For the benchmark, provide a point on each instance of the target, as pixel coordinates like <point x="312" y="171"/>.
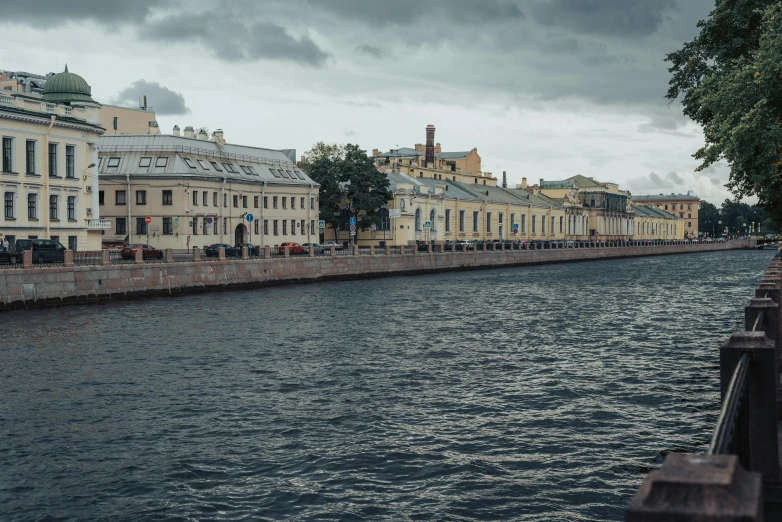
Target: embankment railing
<point x="738" y="478"/>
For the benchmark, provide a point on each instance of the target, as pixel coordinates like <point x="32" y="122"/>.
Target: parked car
<point x="293" y="248"/>
<point x="252" y="250"/>
<point x="464" y="245"/>
<point x="328" y="244"/>
<point x="214" y="250"/>
<point x="315" y="247"/>
<point x="7" y="256"/>
<point x="147" y="252"/>
<point x="44" y="250"/>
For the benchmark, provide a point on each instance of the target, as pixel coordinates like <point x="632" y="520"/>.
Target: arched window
<point x="385" y="219"/>
<point x="418" y="219"/>
<point x="432" y="216"/>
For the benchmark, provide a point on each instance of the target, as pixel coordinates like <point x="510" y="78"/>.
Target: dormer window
<point x="284" y="174"/>
<point x="203" y="164"/>
<point x="161" y="162"/>
<point x="113" y="163"/>
<point x="275" y="173"/>
<point x="189" y="163"/>
<point x="216" y="166"/>
<point x="145" y="162"/>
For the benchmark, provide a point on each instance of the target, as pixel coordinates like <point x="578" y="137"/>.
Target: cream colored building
<point x="49" y="174"/>
<point x="685" y="206"/>
<point x="199" y="191"/>
<point x="652" y="223"/>
<point x="119" y="120"/>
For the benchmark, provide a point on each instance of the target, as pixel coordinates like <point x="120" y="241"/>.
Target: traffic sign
<point x="352" y="220"/>
<point x="353" y="227"/>
<point x="176" y="221"/>
<point x="209" y="220"/>
<point x="321" y="224"/>
<point x="250" y="218"/>
<point x="515" y="228"/>
<point x="427" y="225"/>
<point x="148" y="220"/>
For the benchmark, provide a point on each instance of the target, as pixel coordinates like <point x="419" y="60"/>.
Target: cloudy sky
<point x="543" y="88"/>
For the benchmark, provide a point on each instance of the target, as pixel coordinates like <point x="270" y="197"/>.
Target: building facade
<point x="653" y="223"/>
<point x="198" y="191"/>
<point x="49" y="174"/>
<point x="685" y="206"/>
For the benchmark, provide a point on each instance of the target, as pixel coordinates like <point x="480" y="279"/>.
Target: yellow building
<point x="652" y="223"/>
<point x="49" y="171"/>
<point x="119" y="120"/>
<point x="199" y="191"/>
<point x="683" y="205"/>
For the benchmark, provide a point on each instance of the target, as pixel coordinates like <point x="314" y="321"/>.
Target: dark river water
<point x="539" y="393"/>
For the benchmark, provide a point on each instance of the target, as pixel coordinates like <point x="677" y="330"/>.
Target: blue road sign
<point x="322" y="224"/>
<point x="515" y="228"/>
<point x="352" y="221"/>
<point x="427" y="224"/>
<point x="353" y="228"/>
<point x="209" y="220"/>
<point x="250" y="218"/>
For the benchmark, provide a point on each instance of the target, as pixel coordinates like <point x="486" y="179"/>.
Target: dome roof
<point x="67" y="87"/>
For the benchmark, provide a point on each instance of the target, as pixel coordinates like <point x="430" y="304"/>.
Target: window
<point x="244" y="201"/>
<point x="301" y="203"/>
<point x="168" y="197"/>
<point x="512" y="221"/>
<point x="189" y="163"/>
<point x="8" y="150"/>
<point x="246" y="169"/>
<point x="119" y="197"/>
<point x="274" y="201"/>
<point x="681" y="207"/>
<point x="534" y="218"/>
<point x="275" y="227"/>
<point x="141" y="226"/>
<point x="113" y="163"/>
<point x="461" y="221"/>
<point x="284" y="227"/>
<point x="100" y="198"/>
<point x="312" y="203"/>
<point x="293" y="203"/>
<point x="275" y="173"/>
<point x="447" y="219"/>
<point x="689" y="216"/>
<point x="9" y="205"/>
<point x="284" y="202"/>
<point x="120" y="226"/>
<point x="523" y="223"/>
<point x="216" y="166"/>
<point x="301" y="227"/>
<point x="418" y="219"/>
<point x="312" y="226"/>
<point x="205" y="225"/>
<point x="542" y="224"/>
<point x="385" y="220"/>
<point x="195" y="198"/>
<point x="256" y="226"/>
<point x="53" y="159"/>
<point x="71" y="208"/>
<point x="666" y="207"/>
<point x="168" y="227"/>
<point x="225" y="202"/>
<point x="285" y="173"/>
<point x="32" y="210"/>
<point x="266" y="202"/>
<point x="30" y="151"/>
<point x="214" y="199"/>
<point x="203" y="164"/>
<point x="228" y="167"/>
<point x="53" y="214"/>
<point x="560" y="223"/>
<point x="265" y="227"/>
<point x="205" y="198"/>
<point x="195" y="226"/>
<point x="689" y="207"/>
<point x="236" y="201"/>
<point x="256" y="201"/>
<point x="161" y="162"/>
<point x="145" y="161"/>
<point x="214" y="229"/>
<point x="141" y="197"/>
<point x="299" y="174"/>
<point x="475" y="221"/>
<point x="488" y="222"/>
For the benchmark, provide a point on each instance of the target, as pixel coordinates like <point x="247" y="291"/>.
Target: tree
<point x="348" y="181"/>
<point x="728" y="79"/>
<point x="708" y="218"/>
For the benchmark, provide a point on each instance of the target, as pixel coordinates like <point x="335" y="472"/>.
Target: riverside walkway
<point x="740" y="476"/>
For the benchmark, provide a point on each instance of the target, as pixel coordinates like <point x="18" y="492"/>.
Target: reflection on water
<point x="534" y="393"/>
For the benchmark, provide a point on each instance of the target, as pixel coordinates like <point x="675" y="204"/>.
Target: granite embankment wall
<point x="54" y="286"/>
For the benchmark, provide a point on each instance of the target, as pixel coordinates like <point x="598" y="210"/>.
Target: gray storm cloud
<point x="162" y="99"/>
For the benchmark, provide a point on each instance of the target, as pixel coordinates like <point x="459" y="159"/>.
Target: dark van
<point x="44" y="250"/>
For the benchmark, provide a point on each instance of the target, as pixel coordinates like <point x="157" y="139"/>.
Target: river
<point x="536" y="393"/>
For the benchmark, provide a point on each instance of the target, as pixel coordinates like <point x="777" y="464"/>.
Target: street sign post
<point x="352" y="220"/>
<point x="427" y="225"/>
<point x="321" y="224"/>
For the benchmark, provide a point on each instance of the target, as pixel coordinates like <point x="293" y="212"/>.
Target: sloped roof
<point x="404" y="152"/>
<point x="585" y="182"/>
<point x="666" y="197"/>
<point x="652" y="212"/>
<point x="566" y="183"/>
<point x="452" y="155"/>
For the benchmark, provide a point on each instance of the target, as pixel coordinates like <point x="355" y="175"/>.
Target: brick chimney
<point x="176" y="130"/>
<point x="430" y="146"/>
<point x="504" y="180"/>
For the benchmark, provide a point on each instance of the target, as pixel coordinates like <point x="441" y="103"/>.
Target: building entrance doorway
<point x="240" y="235"/>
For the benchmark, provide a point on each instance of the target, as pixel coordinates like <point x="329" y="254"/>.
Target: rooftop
<point x="666" y="197"/>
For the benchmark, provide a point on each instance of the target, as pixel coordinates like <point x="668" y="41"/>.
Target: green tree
<point x="708" y="217"/>
<point x="348" y="182"/>
<point x="728" y="80"/>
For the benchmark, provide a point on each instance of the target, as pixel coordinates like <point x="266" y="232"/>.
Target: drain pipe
<point x="128" y="200"/>
<point x="222" y="212"/>
<point x="44" y="204"/>
<point x="263" y="213"/>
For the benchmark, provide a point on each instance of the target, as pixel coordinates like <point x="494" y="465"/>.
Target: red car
<point x="293" y="248"/>
<point x="147" y="252"/>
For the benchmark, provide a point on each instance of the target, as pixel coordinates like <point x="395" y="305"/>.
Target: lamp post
<point x="720" y="224"/>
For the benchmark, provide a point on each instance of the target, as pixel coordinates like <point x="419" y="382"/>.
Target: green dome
<point x="67" y="87"/>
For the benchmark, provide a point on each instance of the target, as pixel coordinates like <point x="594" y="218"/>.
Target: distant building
<point x="199" y="191"/>
<point x="49" y="172"/>
<point x="653" y="223"/>
<point x="684" y="206"/>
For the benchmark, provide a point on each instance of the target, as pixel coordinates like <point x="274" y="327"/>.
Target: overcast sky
<point x="543" y="88"/>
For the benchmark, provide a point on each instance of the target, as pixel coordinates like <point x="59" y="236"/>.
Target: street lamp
<point x="720" y="224"/>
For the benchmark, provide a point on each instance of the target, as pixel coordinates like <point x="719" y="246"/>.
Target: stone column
<point x="27" y="258"/>
<point x="312" y="251"/>
<point x="139" y="252"/>
<point x="388" y="249"/>
<point x="494" y="247"/>
<point x="105" y="257"/>
<point x="267" y="252"/>
<point x="442" y="248"/>
<point x="221" y="254"/>
<point x="196" y="254"/>
<point x="402" y="249"/>
<point x="169" y="253"/>
<point x="287" y="251"/>
<point x="429" y="248"/>
<point x="246" y="252"/>
<point x="355" y="250"/>
<point x="415" y="248"/>
<point x="68" y="257"/>
<point x="484" y="246"/>
<point x="371" y="250"/>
